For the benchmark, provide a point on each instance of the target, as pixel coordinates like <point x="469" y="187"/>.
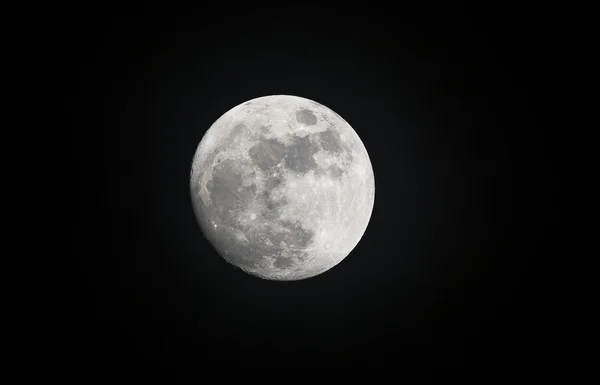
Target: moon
<point x="282" y="187"/>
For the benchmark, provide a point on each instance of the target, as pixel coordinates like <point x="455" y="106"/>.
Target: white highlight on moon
<point x="287" y="185"/>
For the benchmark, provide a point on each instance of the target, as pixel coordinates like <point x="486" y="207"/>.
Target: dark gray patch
<point x="273" y="182"/>
<point x="296" y="236"/>
<point x="307" y="117"/>
<point x="283" y="263"/>
<point x="237" y="130"/>
<point x="330" y="140"/>
<point x="334" y="171"/>
<point x="299" y="155"/>
<point x="265" y="129"/>
<point x="267" y="153"/>
<point x="271" y="207"/>
<point x="227" y="193"/>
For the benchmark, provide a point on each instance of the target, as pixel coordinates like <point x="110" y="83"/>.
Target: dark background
<point x="445" y="103"/>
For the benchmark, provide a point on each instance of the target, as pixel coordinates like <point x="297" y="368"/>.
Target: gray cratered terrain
<point x="282" y="187"/>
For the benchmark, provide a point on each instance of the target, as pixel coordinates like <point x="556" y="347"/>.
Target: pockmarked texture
<point x="282" y="187"/>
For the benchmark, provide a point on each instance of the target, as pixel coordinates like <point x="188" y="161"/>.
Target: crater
<point x="267" y="153"/>
<point x="299" y="155"/>
<point x="335" y="171"/>
<point x="273" y="182"/>
<point x="270" y="207"/>
<point x="265" y="129"/>
<point x="307" y="117"/>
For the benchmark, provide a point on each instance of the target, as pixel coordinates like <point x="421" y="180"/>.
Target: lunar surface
<point x="282" y="187"/>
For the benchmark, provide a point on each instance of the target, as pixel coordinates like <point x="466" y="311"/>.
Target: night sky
<point x="445" y="105"/>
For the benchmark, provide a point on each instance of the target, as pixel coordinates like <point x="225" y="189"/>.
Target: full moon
<point x="282" y="187"/>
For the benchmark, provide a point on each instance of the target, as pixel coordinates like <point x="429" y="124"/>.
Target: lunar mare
<point x="282" y="187"/>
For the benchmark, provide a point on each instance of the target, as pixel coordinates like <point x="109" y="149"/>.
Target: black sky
<point x="445" y="105"/>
